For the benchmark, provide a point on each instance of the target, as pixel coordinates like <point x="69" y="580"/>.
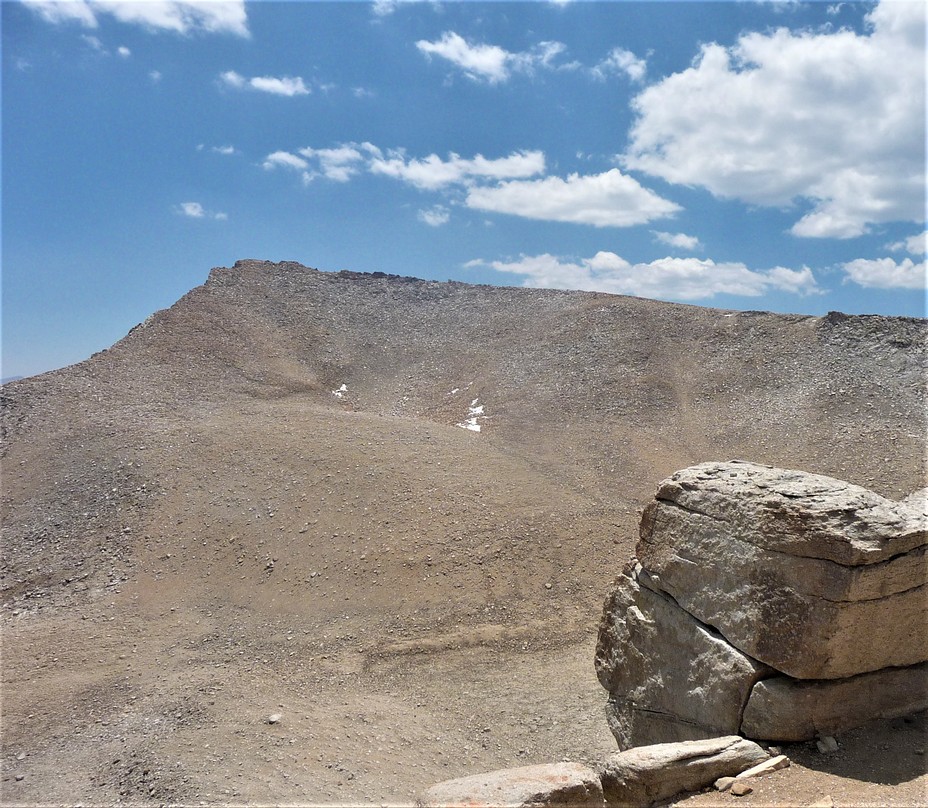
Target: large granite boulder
<point x="766" y="602"/>
<point x="796" y="570"/>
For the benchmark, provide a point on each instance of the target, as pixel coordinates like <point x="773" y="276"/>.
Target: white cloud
<point x="491" y="63"/>
<point x="195" y="210"/>
<point x="432" y="172"/>
<point x="624" y="61"/>
<point x="123" y="51"/>
<point x="612" y="199"/>
<point x="435" y="216"/>
<point x="914" y="245"/>
<point x="679" y="240"/>
<point x="502" y="185"/>
<point x="155" y="76"/>
<point x="285" y="160"/>
<point x="666" y="278"/>
<point x="287" y="85"/>
<point x="223" y="149"/>
<point x="180" y="16"/>
<point x="837" y="119"/>
<point x="94" y="42"/>
<point x="885" y="273"/>
<point x="339" y="164"/>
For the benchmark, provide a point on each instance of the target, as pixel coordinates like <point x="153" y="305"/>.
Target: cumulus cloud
<point x="180" y="16"/>
<point x="123" y="51"/>
<point x="612" y="199"/>
<point x="679" y="240"/>
<point x="621" y="61"/>
<point x="287" y="85"/>
<point x="885" y="273"/>
<point x="195" y="210"/>
<point x="490" y="63"/>
<point x="665" y="278"/>
<point x="435" y="216"/>
<point x="914" y="245"/>
<point x="833" y="119"/>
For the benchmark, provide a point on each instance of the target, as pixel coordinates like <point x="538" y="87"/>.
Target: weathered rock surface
<point x="772" y="603"/>
<point x="794" y="569"/>
<point x="784" y="709"/>
<point x="648" y="774"/>
<point x="670" y="678"/>
<point x="546" y="784"/>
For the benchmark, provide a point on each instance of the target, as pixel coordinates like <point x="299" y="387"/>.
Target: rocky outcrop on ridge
<point x="772" y="603"/>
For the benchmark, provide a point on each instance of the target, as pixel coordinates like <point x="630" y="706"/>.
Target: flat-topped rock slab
<point x="565" y="784"/>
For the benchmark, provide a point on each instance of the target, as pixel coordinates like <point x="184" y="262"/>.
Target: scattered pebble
<point x="724" y="783"/>
<point x="739" y="788"/>
<point x="274" y="718"/>
<point x="827" y="745"/>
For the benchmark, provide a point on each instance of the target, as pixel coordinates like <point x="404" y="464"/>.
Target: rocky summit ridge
<point x="272" y="499"/>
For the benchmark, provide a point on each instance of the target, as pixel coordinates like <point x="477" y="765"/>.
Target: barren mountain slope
<point x="198" y="532"/>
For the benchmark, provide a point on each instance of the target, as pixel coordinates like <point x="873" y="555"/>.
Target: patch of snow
<point x="474" y="412"/>
<point x="340" y="393"/>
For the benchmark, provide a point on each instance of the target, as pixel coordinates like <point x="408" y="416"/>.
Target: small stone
<point x="19" y="777"/>
<point x="21" y="756"/>
<point x="274" y="718"/>
<point x="739" y="789"/>
<point x="826" y="745"/>
<point x="724" y="783"/>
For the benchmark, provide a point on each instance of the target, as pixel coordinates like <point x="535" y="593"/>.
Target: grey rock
<point x="784" y="709"/>
<point x="669" y="677"/>
<point x="649" y="774"/>
<point x="547" y="784"/>
<point x="793" y="569"/>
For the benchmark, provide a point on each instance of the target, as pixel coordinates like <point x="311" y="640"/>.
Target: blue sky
<point x="743" y="155"/>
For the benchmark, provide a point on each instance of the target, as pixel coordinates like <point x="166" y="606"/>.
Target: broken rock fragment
<point x="649" y="774"/>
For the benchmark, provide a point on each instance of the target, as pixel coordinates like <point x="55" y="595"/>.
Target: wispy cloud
<point x="623" y="62"/>
<point x="836" y="120"/>
<point x="433" y="172"/>
<point x="666" y="278"/>
<point x="511" y="184"/>
<point x="491" y="63"/>
<point x="180" y="16"/>
<point x="194" y="210"/>
<point x="287" y="85"/>
<point x="435" y="216"/>
<point x="679" y="240"/>
<point x="123" y="51"/>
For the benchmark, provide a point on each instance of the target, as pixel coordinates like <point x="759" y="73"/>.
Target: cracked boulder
<point x="813" y="576"/>
<point x="669" y="677"/>
<point x="769" y="603"/>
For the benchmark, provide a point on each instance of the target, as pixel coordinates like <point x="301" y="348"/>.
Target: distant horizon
<point x="762" y="156"/>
